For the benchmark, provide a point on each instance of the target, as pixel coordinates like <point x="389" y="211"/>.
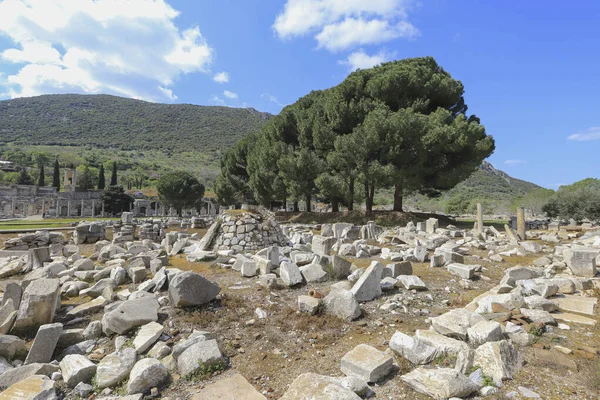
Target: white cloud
<point x="343" y="24"/>
<point x="592" y="133"/>
<point x="272" y="99"/>
<point x="230" y="95"/>
<point x="217" y="100"/>
<point x="360" y="59"/>
<point x="515" y="162"/>
<point x="221" y="77"/>
<point x="130" y="48"/>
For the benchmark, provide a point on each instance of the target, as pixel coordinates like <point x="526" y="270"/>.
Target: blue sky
<point x="530" y="69"/>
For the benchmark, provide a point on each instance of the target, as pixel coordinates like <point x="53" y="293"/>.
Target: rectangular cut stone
<point x="581" y="261"/>
<point x="578" y="304"/>
<point x="366" y="362"/>
<point x="44" y="344"/>
<point x="322" y="245"/>
<point x="462" y="270"/>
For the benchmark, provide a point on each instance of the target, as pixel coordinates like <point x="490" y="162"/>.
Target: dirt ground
<point x="271" y="353"/>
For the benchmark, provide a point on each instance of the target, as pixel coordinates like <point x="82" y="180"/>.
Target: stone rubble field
<point x="251" y="309"/>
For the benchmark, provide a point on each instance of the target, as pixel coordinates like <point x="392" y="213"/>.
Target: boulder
<point x="115" y="368"/>
<point x="204" y="353"/>
<point x="341" y="267"/>
<point x="366" y="362"/>
<point x="399" y="268"/>
<point x="130" y="314"/>
<point x="308" y="304"/>
<point x="368" y="285"/>
<point x="90" y="307"/>
<point x="342" y="304"/>
<point x="440" y="383"/>
<point x="443" y="344"/>
<point x="76" y="368"/>
<point x="12" y="376"/>
<point x="8" y="314"/>
<point x="145" y="375"/>
<point x="98" y="287"/>
<point x="191" y="289"/>
<point x="322" y="245"/>
<point x="541" y="316"/>
<point x="44" y="343"/>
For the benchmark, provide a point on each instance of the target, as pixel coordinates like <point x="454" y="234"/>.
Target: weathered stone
<point x="342" y="304"/>
<point x="77" y="368"/>
<point x="44" y="343"/>
<point x="399" y="268"/>
<point x="204" y="353"/>
<point x="93" y="330"/>
<point x="8" y="314"/>
<point x="35" y="387"/>
<point x="341" y="267"/>
<point x="195" y="337"/>
<point x="322" y="245"/>
<point x="441" y="383"/>
<point x="130" y="314"/>
<point x="413" y="349"/>
<point x="313" y="273"/>
<point x="317" y="387"/>
<point x="191" y="289"/>
<point x="540" y="303"/>
<point x="366" y="362"/>
<point x="10" y="346"/>
<point x="115" y="368"/>
<point x="581" y="261"/>
<point x="308" y="304"/>
<point x="290" y="274"/>
<point x="539" y="316"/>
<point x="411" y="282"/>
<point x="88" y="308"/>
<point x="98" y="287"/>
<point x="368" y="286"/>
<point x="147" y="336"/>
<point x="234" y="387"/>
<point x="145" y="375"/>
<point x="462" y="270"/>
<point x="12" y="376"/>
<point x="578" y="304"/>
<point x="159" y="350"/>
<point x="38" y="304"/>
<point x="442" y="343"/>
<point x="483" y="332"/>
<point x="455" y="323"/>
<point x="498" y="360"/>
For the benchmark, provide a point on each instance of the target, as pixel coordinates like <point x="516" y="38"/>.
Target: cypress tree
<point x="101" y="180"/>
<point x="113" y="178"/>
<point x="42" y="179"/>
<point x="56" y="176"/>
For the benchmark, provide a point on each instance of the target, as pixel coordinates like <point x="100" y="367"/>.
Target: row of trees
<point x="403" y="124"/>
<point x="578" y="201"/>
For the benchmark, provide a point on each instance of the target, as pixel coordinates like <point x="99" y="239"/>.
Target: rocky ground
<point x="252" y="325"/>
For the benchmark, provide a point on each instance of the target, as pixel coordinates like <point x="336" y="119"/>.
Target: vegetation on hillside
<point x="578" y="201"/>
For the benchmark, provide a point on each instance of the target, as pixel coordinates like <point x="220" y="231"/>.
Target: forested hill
<point x="491" y="183"/>
<point x="114" y="122"/>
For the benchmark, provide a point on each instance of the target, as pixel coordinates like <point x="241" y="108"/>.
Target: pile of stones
<point x="89" y="232"/>
<point x="245" y="231"/>
<point x="26" y="241"/>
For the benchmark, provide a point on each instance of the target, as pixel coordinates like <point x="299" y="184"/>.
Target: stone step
<point x="578" y="304"/>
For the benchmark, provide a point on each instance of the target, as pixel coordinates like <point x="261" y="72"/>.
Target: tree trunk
<point x="369" y="194"/>
<point x="398" y="197"/>
<point x="296" y="208"/>
<point x="308" y="208"/>
<point x="351" y="195"/>
<point x="335" y="205"/>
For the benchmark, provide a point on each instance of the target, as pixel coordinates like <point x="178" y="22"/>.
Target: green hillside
<point x="104" y="121"/>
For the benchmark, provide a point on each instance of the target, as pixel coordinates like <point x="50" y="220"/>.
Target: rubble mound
<point x="243" y="231"/>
